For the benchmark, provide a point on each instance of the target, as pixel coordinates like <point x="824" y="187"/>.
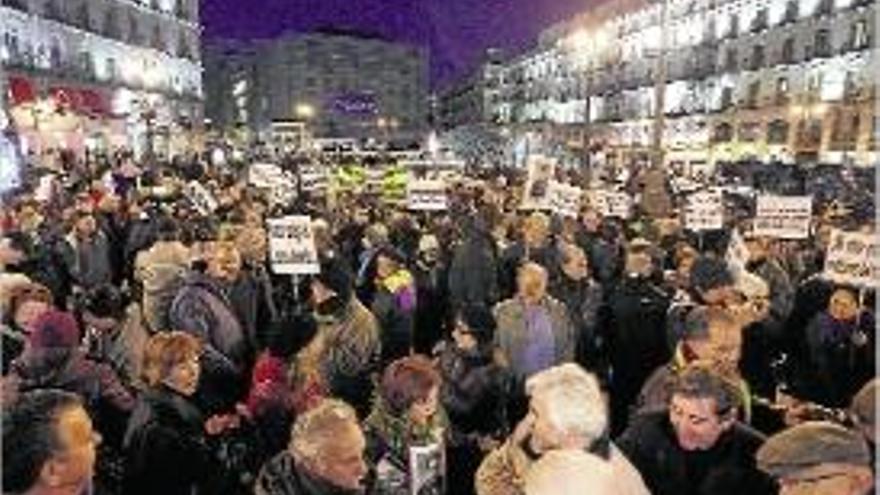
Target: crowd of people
<point x="149" y="346"/>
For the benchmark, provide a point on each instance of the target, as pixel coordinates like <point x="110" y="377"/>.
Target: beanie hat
<point x="55" y="329"/>
<point x="709" y="273"/>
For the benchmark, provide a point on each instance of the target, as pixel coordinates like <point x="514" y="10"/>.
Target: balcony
<point x="20" y="5"/>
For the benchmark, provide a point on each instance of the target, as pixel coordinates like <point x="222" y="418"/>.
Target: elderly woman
<point x="165" y="446"/>
<point x="406" y="429"/>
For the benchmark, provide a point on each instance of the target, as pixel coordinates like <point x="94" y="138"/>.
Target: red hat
<point x="55" y="329"/>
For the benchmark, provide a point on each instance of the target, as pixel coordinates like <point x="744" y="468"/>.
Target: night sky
<point x="457" y="32"/>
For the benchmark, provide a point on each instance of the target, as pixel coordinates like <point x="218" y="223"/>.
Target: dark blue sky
<point x="457" y="32"/>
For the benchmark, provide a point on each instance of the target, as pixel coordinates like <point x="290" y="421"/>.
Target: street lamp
<point x="304" y="111"/>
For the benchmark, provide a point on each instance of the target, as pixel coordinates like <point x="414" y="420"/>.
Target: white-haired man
<point x="325" y="455"/>
<point x="566" y="411"/>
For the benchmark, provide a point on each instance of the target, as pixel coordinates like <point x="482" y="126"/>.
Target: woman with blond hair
<point x="166" y="450"/>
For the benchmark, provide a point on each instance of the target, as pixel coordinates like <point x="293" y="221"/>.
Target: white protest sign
<point x="737" y="256"/>
<point x="565" y="200"/>
<point x="427" y="466"/>
<point x="313" y="178"/>
<point x="201" y="198"/>
<point x="783" y="217"/>
<point x="853" y="258"/>
<point x="45" y="188"/>
<point x="426" y="195"/>
<point x="614" y="203"/>
<point x="704" y="211"/>
<point x="292" y="246"/>
<point x="264" y="174"/>
<point x="537" y="192"/>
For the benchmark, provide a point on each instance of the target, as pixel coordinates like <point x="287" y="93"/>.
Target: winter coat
<point x="503" y="472"/>
<point x="161" y="271"/>
<point x="430" y="319"/>
<point x="165" y="447"/>
<point x="394" y="305"/>
<point x="351" y="352"/>
<point x="518" y="254"/>
<point x="473" y="390"/>
<point x="473" y="275"/>
<point x="88" y="260"/>
<point x="651" y="445"/>
<point x="583" y="301"/>
<point x="203" y="309"/>
<point x="281" y="476"/>
<point x="511" y="335"/>
<point x="636" y="337"/>
<point x="252" y="299"/>
<point x="70" y="370"/>
<point x="122" y="349"/>
<point x="840" y="358"/>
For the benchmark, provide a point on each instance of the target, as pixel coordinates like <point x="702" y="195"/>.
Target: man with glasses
<point x="48" y="445"/>
<point x="818" y="458"/>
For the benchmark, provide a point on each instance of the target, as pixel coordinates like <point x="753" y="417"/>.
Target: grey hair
<point x="319" y="427"/>
<point x="575" y="402"/>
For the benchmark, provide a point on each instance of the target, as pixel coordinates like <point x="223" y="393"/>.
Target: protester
<point x="570" y="472"/>
<point x="406" y="416"/>
<point x="165" y="446"/>
<point x="818" y="458"/>
<point x="325" y="455"/>
<point x="681" y="450"/>
<point x="48" y="444"/>
<point x="160" y="271"/>
<point x="394" y="304"/>
<point x="25" y="302"/>
<point x="566" y="411"/>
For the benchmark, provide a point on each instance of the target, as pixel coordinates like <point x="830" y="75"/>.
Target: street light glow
<point x="304" y="110"/>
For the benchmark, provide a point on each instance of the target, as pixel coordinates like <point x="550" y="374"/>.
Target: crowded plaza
<point x="235" y="285"/>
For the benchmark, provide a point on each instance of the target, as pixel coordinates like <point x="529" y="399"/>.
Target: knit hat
<point x="864" y="404"/>
<point x="55" y="329"/>
<point x="811" y="444"/>
<point x="336" y="277"/>
<point x="480" y="322"/>
<point x="709" y="273"/>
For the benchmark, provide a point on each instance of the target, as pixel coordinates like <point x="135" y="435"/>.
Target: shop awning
<point x="83" y="101"/>
<point x="21" y="90"/>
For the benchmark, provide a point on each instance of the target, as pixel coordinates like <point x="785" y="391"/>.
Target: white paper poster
<point x="313" y="178"/>
<point x="614" y="204"/>
<point x="853" y="258"/>
<point x="201" y="198"/>
<point x="704" y="211"/>
<point x="565" y="200"/>
<point x="536" y="195"/>
<point x="292" y="246"/>
<point x="783" y="217"/>
<point x="426" y="195"/>
<point x="265" y="175"/>
<point x="427" y="468"/>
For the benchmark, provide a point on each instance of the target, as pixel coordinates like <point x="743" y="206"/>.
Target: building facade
<point x="737" y="80"/>
<point x="339" y="84"/>
<point x="474" y="100"/>
<point x="103" y="74"/>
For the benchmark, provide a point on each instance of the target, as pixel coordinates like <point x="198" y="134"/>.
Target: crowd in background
<point x="149" y="347"/>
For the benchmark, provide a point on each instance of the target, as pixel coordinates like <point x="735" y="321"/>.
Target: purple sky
<point x="457" y="32"/>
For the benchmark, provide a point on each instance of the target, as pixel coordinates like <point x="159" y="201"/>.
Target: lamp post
<point x="660" y="93"/>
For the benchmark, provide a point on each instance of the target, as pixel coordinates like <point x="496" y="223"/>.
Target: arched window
<point x="111" y="27"/>
<point x="84" y="17"/>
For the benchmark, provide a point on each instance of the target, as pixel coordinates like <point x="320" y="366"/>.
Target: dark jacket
<point x="650" y="443"/>
<point x="840" y="357"/>
<point x="281" y="476"/>
<point x="202" y="308"/>
<point x="394" y="304"/>
<point x="473" y="390"/>
<point x="165" y="448"/>
<point x="252" y="300"/>
<point x="472" y="274"/>
<point x="583" y="300"/>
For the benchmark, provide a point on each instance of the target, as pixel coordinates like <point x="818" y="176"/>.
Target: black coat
<point x="165" y="448"/>
<point x="651" y="445"/>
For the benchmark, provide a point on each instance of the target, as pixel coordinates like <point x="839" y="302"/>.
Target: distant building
<point x="340" y="84"/>
<point x="102" y="74"/>
<point x="476" y="99"/>
<point x="766" y="80"/>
